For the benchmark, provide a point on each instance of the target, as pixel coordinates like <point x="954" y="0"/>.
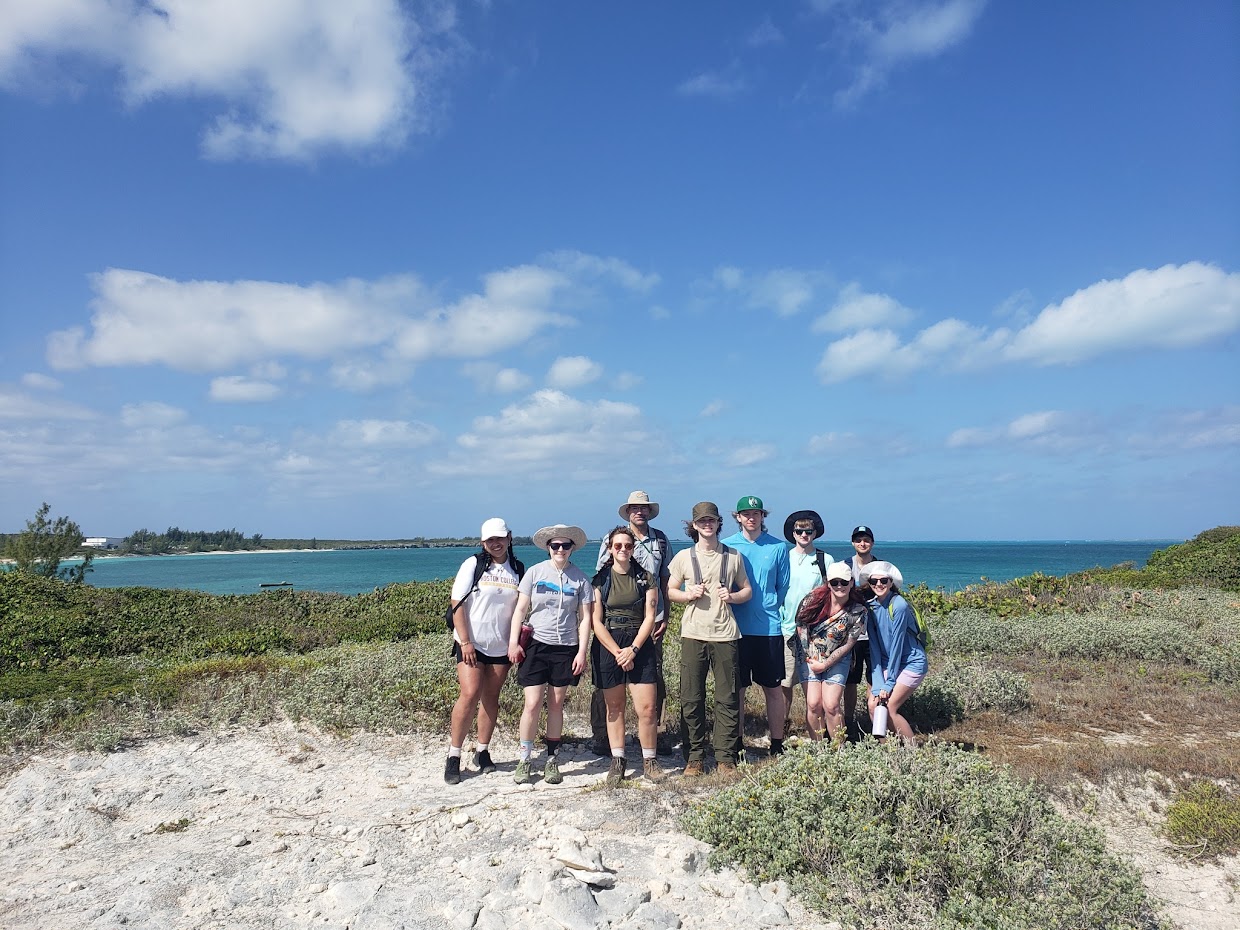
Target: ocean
<point x="947" y="565"/>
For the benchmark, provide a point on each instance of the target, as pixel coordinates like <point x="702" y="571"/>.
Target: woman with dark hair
<point x="484" y="596"/>
<point x="625" y="600"/>
<point x="829" y="622"/>
<point x="900" y="662"/>
<point x="556" y="596"/>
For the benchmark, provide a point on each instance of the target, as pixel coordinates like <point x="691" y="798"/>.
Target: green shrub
<point x="882" y="835"/>
<point x="1204" y="820"/>
<point x="961" y="689"/>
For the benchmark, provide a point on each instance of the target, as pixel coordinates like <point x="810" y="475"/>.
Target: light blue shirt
<point x="803" y="577"/>
<point x="766" y="564"/>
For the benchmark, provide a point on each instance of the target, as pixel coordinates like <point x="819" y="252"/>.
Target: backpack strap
<point x="725" y="551"/>
<point x="697" y="568"/>
<point x="821" y="558"/>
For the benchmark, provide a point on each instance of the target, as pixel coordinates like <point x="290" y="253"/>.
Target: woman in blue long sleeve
<point x="899" y="659"/>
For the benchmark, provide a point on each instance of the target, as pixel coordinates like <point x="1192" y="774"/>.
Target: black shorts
<point x="761" y="661"/>
<point x="605" y="673"/>
<point x="547" y="664"/>
<point x="861" y="656"/>
<point x="483" y="658"/>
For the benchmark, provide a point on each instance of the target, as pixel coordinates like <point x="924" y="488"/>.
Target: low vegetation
<point x="1036" y="684"/>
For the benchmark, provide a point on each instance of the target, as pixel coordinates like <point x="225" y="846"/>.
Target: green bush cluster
<point x="959" y="689"/>
<point x="1204" y="820"/>
<point x="879" y="835"/>
<point x="1194" y="626"/>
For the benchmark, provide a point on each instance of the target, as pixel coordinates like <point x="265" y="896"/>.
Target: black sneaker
<point x="452" y="770"/>
<point x="777" y="747"/>
<point x="485" y="765"/>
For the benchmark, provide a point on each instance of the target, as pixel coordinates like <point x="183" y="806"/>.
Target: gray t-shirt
<point x="555" y="597"/>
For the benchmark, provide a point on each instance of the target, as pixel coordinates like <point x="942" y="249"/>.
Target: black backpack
<point x="482" y="563"/>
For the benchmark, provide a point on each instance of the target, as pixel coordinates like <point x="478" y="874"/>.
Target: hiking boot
<point x="485" y="765"/>
<point x="551" y="772"/>
<point x="615" y="774"/>
<point x="652" y="770"/>
<point x="726" y="768"/>
<point x="452" y="770"/>
<point x="693" y="769"/>
<point x="777" y="747"/>
<point x="522" y="775"/>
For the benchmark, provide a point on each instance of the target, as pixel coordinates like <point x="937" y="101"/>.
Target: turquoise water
<point x="949" y="565"/>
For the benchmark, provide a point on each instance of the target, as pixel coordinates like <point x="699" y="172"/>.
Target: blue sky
<point x="955" y="269"/>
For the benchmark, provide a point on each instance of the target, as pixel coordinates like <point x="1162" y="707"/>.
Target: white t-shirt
<point x="489" y="610"/>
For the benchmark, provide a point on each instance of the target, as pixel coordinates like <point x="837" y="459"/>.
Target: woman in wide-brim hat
<point x="900" y="662"/>
<point x="555" y="600"/>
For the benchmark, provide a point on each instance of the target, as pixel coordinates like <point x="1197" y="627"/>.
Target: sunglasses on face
<point x="803" y="531"/>
<point x="557" y="546"/>
<point x="622" y="547"/>
<point x="874" y="581"/>
<point x="839" y="583"/>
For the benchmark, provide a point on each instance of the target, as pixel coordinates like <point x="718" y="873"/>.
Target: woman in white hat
<point x="484" y="596"/>
<point x="899" y="659"/>
<point x="555" y="601"/>
<point x="829" y="622"/>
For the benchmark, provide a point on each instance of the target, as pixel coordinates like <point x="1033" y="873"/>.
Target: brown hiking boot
<point x="652" y="770"/>
<point x="615" y="774"/>
<point x="693" y="769"/>
<point x="726" y="768"/>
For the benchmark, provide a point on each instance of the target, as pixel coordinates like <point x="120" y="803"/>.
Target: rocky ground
<point x="281" y="828"/>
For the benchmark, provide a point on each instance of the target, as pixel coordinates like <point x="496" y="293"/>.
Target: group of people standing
<point x="755" y="612"/>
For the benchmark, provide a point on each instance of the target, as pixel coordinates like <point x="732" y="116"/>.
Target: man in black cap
<point x="862" y="668"/>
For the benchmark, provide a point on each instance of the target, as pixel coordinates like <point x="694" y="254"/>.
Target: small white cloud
<point x="364" y="375"/>
<point x="856" y="309"/>
<point x="626" y="381"/>
<point x="713" y="409"/>
<point x="573" y="371"/>
<point x="15" y="405"/>
<point x="152" y="415"/>
<point x="784" y="291"/>
<point x="386" y="433"/>
<point x="744" y="456"/>
<point x="489" y="377"/>
<point x="713" y="84"/>
<point x="508" y="380"/>
<point x="1045" y="431"/>
<point x="658" y="312"/>
<point x="238" y="389"/>
<point x="581" y="266"/>
<point x="40" y="382"/>
<point x="865" y="353"/>
<point x="830" y="444"/>
<point x="766" y="33"/>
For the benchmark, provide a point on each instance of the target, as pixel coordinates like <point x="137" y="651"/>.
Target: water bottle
<point x="880" y="719"/>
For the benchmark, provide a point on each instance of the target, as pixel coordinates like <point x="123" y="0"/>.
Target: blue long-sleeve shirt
<point x="766" y="563"/>
<point x="893" y="647"/>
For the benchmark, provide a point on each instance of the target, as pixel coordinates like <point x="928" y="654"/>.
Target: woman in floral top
<point x="829" y="622"/>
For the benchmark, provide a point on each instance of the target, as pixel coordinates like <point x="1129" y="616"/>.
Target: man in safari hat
<point x="653" y="553"/>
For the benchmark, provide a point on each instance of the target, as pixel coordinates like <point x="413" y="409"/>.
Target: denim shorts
<point x="837" y="674"/>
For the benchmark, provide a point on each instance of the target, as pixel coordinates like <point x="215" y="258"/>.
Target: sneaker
<point x="652" y="770"/>
<point x="777" y="747"/>
<point x="693" y="769"/>
<point x="615" y="774"/>
<point x="483" y="759"/>
<point x="522" y="775"/>
<point x="452" y="770"/>
<point x="551" y="772"/>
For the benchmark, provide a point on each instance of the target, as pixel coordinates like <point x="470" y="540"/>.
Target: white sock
<point x="617" y="753"/>
<point x="454" y="752"/>
<point x="483" y="747"/>
<point x="648" y="753"/>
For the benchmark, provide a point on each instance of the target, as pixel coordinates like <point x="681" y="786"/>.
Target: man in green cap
<point x="762" y="642"/>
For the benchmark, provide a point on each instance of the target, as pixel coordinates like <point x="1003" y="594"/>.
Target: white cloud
<point x="581" y="266"/>
<point x="238" y="389"/>
<point x="626" y="381"/>
<point x="15" y="405"/>
<point x="743" y="456"/>
<point x="573" y="371"/>
<point x="551" y="433"/>
<point x="785" y="291"/>
<point x="151" y="414"/>
<point x="713" y="409"/>
<point x="1046" y="431"/>
<point x="1167" y="308"/>
<point x="491" y="378"/>
<point x="831" y="444"/>
<point x="855" y="309"/>
<point x="1174" y="432"/>
<point x="290" y="79"/>
<point x="40" y="382"/>
<point x="766" y="33"/>
<point x="368" y="374"/>
<point x="890" y="34"/>
<point x="383" y="433"/>
<point x="713" y="84"/>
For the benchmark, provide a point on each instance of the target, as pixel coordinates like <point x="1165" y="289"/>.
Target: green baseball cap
<point x="750" y="503"/>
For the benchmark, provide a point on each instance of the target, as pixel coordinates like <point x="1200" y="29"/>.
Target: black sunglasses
<point x="803" y="530"/>
<point x="839" y="583"/>
<point x="874" y="581"/>
<point x="558" y="546"/>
